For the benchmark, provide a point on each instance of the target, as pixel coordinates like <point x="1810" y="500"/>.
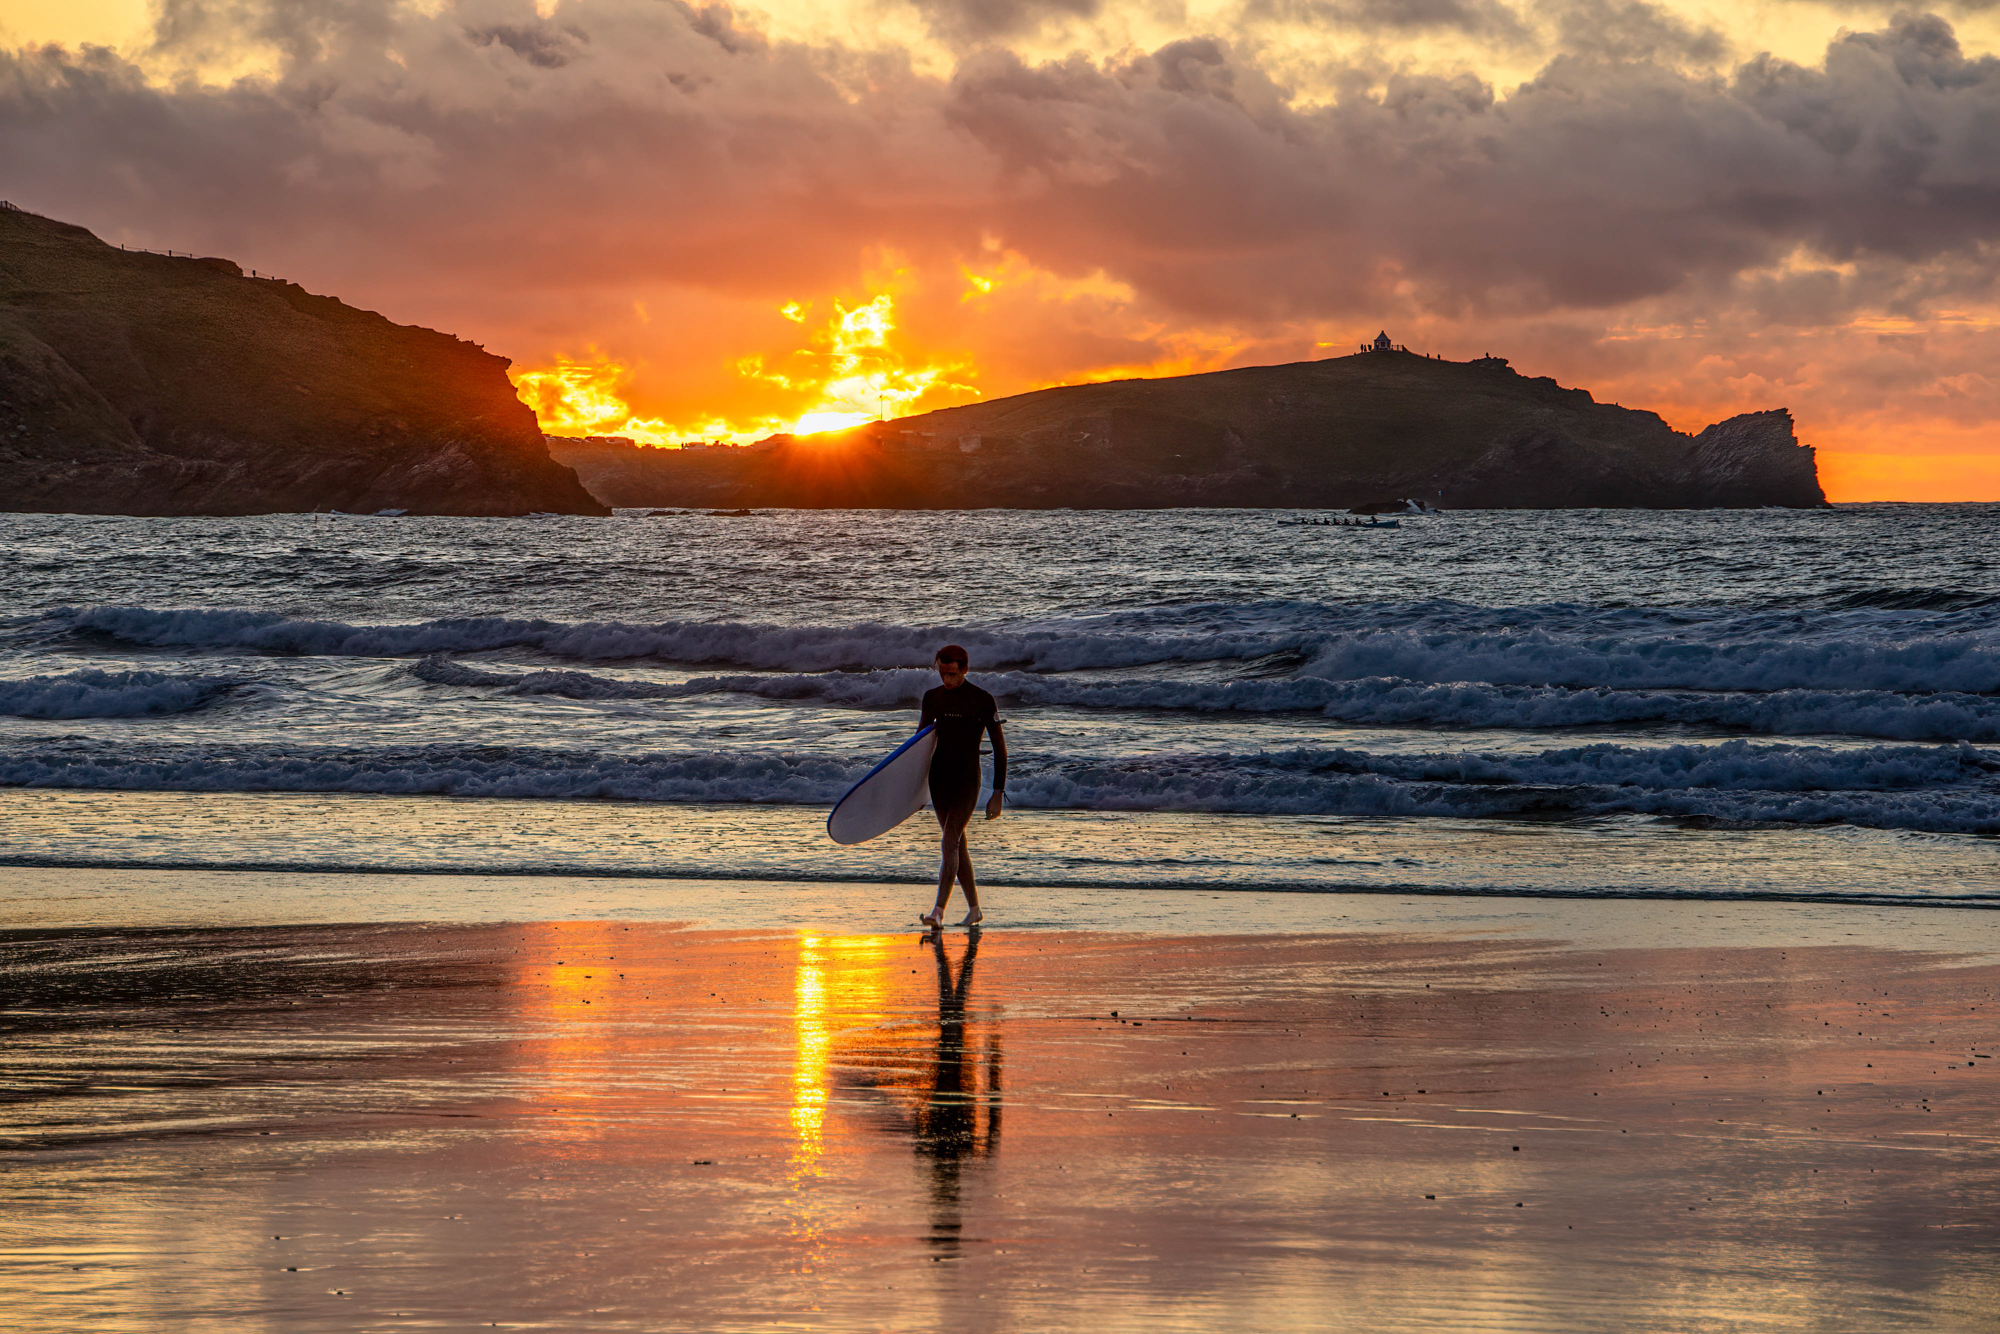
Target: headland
<point x="1371" y="430"/>
<point x="140" y="383"/>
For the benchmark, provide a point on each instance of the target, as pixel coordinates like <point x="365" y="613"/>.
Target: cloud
<point x="1488" y="19"/>
<point x="970" y="22"/>
<point x="526" y="179"/>
<point x="646" y="141"/>
<point x="1598" y="182"/>
<point x="1635" y="30"/>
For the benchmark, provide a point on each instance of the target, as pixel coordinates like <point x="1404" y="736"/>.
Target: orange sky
<point x="696" y="222"/>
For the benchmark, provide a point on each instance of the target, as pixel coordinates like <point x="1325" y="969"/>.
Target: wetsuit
<point x="961" y="714"/>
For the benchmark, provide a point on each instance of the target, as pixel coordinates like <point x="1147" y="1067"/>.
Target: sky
<point x="701" y="221"/>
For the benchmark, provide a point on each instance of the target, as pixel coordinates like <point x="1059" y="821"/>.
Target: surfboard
<point x="892" y="792"/>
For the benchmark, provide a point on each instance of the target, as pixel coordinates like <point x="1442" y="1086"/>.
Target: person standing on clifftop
<point x="962" y="714"/>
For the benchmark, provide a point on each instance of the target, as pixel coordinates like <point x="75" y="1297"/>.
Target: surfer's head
<point x="951" y="664"/>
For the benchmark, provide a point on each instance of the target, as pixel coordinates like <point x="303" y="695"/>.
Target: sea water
<point x="1728" y="703"/>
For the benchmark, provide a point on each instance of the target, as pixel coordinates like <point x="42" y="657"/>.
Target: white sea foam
<point x="1553" y="646"/>
<point x="98" y="694"/>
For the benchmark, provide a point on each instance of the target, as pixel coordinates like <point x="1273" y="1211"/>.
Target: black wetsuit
<point x="962" y="714"/>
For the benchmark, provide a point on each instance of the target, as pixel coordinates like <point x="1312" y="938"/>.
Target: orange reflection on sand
<point x="839" y="982"/>
<point x="577" y="993"/>
<point x="811" y="1040"/>
<point x="811" y="1037"/>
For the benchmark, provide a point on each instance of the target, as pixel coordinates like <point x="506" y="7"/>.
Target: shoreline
<point x="1986" y="902"/>
<point x="113" y="833"/>
<point x="42" y="901"/>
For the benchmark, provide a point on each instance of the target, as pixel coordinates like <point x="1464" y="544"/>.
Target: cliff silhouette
<point x="138" y="383"/>
<point x="1354" y="431"/>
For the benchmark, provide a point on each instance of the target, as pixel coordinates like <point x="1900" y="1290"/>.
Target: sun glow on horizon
<point x="586" y="398"/>
<point x="854" y="371"/>
<point x="850" y="373"/>
<point x="854" y="367"/>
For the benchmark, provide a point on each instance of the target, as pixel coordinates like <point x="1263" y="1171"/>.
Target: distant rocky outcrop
<point x="138" y="383"/>
<point x="1345" y="432"/>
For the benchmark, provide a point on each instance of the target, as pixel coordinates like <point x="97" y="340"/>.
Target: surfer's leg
<point x="973" y="916"/>
<point x="953" y="815"/>
<point x="951" y="845"/>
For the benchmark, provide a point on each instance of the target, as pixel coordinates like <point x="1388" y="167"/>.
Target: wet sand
<point x="1567" y="1117"/>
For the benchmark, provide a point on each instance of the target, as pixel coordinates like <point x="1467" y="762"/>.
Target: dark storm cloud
<point x="645" y="142"/>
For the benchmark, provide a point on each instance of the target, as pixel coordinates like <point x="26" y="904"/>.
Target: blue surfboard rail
<point x="922" y="732"/>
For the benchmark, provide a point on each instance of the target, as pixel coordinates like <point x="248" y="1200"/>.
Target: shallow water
<point x="1611" y="857"/>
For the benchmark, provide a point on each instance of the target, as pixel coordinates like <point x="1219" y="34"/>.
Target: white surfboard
<point x="893" y="791"/>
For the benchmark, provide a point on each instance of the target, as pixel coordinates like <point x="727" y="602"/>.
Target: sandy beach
<point x="1284" y="1111"/>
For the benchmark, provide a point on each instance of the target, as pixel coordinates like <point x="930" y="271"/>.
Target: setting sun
<point x="849" y="371"/>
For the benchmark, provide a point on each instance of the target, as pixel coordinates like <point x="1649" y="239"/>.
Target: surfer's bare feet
<point x="933" y="919"/>
<point x="973" y="918"/>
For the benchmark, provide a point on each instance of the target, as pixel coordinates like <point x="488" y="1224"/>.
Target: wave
<point x="1912" y="599"/>
<point x="1536" y="658"/>
<point x="99" y="694"/>
<point x="1375" y="701"/>
<point x="1555" y="645"/>
<point x="438" y="770"/>
<point x="1935" y="788"/>
<point x="797" y="648"/>
<point x="876" y="689"/>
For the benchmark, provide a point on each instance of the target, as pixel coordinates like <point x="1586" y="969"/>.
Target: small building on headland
<point x="1383" y="343"/>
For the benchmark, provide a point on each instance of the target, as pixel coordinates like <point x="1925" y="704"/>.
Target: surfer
<point x="962" y="713"/>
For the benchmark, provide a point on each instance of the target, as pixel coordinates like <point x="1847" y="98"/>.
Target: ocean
<point x="1791" y="704"/>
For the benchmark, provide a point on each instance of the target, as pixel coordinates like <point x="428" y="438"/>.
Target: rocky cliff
<point x="1347" y="431"/>
<point x="136" y="383"/>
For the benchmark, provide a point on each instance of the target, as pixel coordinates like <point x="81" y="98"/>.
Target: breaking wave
<point x="98" y="694"/>
<point x="1552" y="646"/>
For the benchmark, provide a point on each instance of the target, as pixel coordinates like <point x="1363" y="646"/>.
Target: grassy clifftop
<point x="135" y="383"/>
<point x="1346" y="431"/>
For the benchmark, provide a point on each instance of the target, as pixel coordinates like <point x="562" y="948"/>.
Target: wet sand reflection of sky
<point x="621" y="1125"/>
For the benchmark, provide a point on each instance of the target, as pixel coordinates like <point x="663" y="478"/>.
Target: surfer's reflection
<point x="958" y="1117"/>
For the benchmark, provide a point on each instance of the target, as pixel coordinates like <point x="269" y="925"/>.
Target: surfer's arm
<point x="993" y="803"/>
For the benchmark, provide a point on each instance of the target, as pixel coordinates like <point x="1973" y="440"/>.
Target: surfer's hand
<point x="993" y="807"/>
